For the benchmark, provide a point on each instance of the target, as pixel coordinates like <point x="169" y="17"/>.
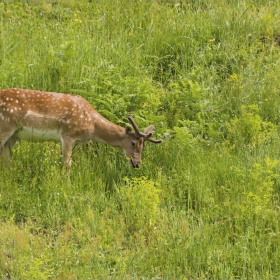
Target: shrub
<point x="258" y="199"/>
<point x="139" y="201"/>
<point x="249" y="128"/>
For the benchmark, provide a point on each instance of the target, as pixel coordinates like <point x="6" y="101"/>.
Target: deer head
<point x="135" y="142"/>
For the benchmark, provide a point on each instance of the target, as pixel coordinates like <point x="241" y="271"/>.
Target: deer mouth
<point x="132" y="164"/>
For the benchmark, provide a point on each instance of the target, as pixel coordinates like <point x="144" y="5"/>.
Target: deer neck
<point x="108" y="132"/>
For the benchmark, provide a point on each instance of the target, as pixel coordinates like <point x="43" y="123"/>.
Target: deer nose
<point x="135" y="164"/>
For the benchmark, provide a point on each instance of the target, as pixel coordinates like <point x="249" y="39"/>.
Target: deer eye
<point x="133" y="144"/>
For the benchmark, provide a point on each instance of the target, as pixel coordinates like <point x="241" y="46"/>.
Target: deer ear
<point x="128" y="130"/>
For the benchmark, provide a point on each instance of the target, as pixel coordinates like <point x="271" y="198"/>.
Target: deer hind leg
<point x="66" y="147"/>
<point x="7" y="140"/>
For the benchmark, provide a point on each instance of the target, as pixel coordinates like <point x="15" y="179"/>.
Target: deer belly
<point x="36" y="135"/>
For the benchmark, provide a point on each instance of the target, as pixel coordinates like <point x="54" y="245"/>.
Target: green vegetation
<point x="205" y="202"/>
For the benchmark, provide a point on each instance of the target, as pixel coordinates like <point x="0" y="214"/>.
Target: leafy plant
<point x="259" y="198"/>
<point x="184" y="100"/>
<point x="139" y="201"/>
<point x="249" y="128"/>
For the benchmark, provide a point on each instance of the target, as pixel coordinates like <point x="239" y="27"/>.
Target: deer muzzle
<point x="134" y="164"/>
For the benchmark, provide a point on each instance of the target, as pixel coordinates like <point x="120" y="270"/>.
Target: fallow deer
<point x="35" y="115"/>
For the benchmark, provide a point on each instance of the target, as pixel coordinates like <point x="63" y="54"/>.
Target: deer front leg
<point x="66" y="147"/>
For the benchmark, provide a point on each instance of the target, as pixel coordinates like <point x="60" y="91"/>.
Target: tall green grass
<point x="205" y="202"/>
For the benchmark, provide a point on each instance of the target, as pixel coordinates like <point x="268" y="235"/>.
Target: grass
<point x="205" y="202"/>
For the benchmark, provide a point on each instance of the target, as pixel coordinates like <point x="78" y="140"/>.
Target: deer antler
<point x="150" y="129"/>
<point x="147" y="134"/>
<point x="136" y="129"/>
<point x="154" y="140"/>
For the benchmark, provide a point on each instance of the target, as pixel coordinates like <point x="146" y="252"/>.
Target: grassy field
<point x="205" y="203"/>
